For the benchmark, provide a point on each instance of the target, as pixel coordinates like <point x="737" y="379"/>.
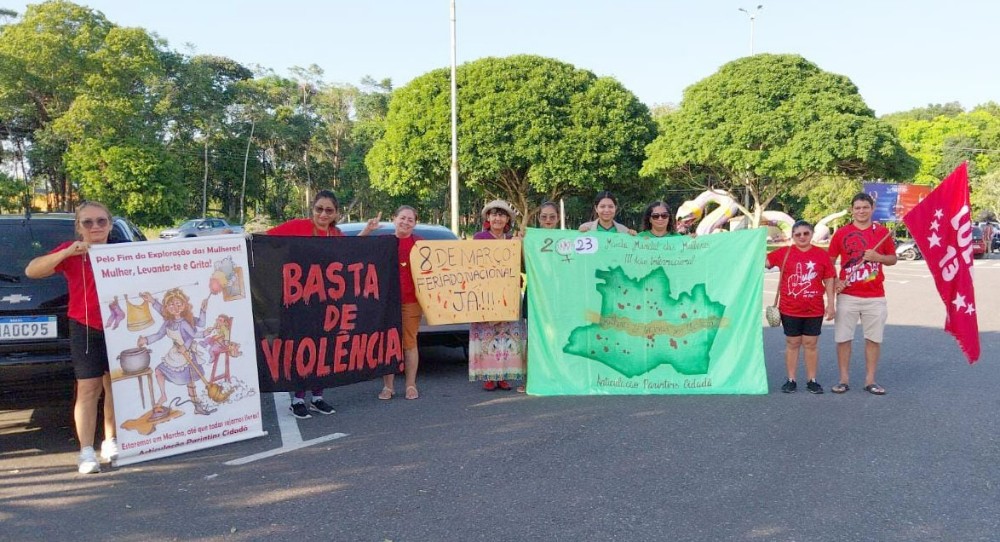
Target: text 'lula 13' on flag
<point x="941" y="226"/>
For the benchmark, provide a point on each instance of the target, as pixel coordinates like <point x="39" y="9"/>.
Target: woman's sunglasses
<point x="320" y="210"/>
<point x="89" y="223"/>
<point x="658" y="216"/>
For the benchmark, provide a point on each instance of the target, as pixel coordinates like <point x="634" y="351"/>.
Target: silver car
<point x="451" y="335"/>
<point x="201" y="227"/>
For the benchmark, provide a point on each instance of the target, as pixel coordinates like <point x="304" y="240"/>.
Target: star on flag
<point x="934" y="240"/>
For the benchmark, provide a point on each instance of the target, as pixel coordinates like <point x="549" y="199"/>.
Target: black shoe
<point x="321" y="406"/>
<point x="814" y="387"/>
<point x="300" y="411"/>
<point x="789" y="386"/>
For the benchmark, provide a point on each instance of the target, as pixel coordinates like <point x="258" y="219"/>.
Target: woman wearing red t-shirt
<point x="404" y="220"/>
<point x="322" y="223"/>
<point x="87" y="348"/>
<point x="806" y="278"/>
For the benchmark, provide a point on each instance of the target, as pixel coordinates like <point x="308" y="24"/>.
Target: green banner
<point x="614" y="314"/>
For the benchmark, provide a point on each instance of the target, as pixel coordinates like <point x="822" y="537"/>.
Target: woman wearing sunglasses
<point x="806" y="278"/>
<point x="322" y="223"/>
<point x="657" y="221"/>
<point x="87" y="348"/>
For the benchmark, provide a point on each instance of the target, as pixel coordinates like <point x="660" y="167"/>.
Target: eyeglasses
<point x="89" y="223"/>
<point x="320" y="210"/>
<point x="658" y="216"/>
<point x="802" y="233"/>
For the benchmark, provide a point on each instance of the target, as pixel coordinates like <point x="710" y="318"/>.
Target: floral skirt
<point x="497" y="350"/>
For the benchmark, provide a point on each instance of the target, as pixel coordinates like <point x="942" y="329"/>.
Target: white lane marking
<point x="291" y="437"/>
<point x="284" y="449"/>
<point x="287" y="424"/>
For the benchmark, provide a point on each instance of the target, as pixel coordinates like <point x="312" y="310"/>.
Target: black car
<point x="33" y="324"/>
<point x="451" y="335"/>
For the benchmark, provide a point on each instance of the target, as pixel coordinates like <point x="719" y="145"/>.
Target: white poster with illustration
<point x="179" y="329"/>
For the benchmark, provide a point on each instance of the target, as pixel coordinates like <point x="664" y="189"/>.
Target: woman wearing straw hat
<point x="496" y="349"/>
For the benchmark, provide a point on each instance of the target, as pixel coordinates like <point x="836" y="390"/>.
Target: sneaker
<point x="300" y="410"/>
<point x="814" y="387"/>
<point x="109" y="450"/>
<point x="87" y="462"/>
<point x="503" y="384"/>
<point x="789" y="386"/>
<point x="489" y="385"/>
<point x="321" y="406"/>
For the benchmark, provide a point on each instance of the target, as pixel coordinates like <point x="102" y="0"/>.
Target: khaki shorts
<point x="411" y="323"/>
<point x="872" y="311"/>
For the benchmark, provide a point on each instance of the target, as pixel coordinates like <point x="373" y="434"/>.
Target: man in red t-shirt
<point x="863" y="247"/>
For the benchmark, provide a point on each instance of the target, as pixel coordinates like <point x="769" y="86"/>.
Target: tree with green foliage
<point x="930" y="112"/>
<point x="47" y="57"/>
<point x="985" y="196"/>
<point x="114" y="131"/>
<point x="941" y="143"/>
<point x="205" y="134"/>
<point x="529" y="128"/>
<point x="768" y="123"/>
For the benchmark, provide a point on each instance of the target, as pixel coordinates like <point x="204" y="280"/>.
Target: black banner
<point x="326" y="310"/>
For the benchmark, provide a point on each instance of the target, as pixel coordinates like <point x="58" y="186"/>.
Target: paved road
<point x="462" y="464"/>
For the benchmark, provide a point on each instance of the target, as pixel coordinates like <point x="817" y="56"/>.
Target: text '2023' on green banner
<point x="615" y="314"/>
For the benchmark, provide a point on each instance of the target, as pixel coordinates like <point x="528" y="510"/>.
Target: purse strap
<point x="780" y="273"/>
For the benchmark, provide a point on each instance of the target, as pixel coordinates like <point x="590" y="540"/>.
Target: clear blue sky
<point x="900" y="53"/>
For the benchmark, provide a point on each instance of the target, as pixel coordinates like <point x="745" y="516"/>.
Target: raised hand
<point x="372" y="224"/>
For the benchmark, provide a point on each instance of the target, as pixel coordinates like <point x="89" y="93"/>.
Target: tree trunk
<point x="204" y="184"/>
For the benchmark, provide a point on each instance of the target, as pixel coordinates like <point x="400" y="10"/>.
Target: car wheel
<point x="909" y="254"/>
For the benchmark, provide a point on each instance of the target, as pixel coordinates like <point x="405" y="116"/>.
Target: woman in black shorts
<point x="87" y="348"/>
<point x="807" y="276"/>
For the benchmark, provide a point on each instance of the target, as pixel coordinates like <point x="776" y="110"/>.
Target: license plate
<point x="19" y="328"/>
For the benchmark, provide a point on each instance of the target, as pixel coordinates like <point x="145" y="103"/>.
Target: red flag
<point x="941" y="226"/>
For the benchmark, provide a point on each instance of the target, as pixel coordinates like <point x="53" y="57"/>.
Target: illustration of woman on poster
<point x="180" y="365"/>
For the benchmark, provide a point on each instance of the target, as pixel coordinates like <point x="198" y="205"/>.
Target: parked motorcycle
<point x="908" y="251"/>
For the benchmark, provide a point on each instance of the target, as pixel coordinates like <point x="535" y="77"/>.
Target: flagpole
<point x="454" y="127"/>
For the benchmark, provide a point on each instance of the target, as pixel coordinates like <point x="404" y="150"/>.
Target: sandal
<point x="385" y="394"/>
<point x="875" y="389"/>
<point x="411" y="393"/>
<point x="840" y="387"/>
<point x="521" y="389"/>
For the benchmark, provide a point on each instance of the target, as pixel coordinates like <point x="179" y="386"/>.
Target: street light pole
<point x="752" y="17"/>
<point x="454" y="128"/>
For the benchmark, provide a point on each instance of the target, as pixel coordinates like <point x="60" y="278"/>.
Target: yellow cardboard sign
<point x="468" y="281"/>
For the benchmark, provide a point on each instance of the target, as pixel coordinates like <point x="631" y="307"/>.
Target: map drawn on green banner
<point x="642" y="325"/>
